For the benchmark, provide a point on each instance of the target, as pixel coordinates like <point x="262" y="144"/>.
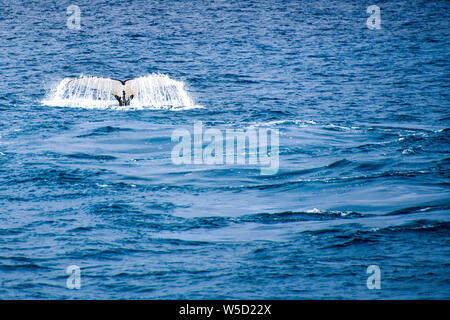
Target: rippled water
<point x="363" y="117"/>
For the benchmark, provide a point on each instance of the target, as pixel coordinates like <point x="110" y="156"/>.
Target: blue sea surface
<point x="364" y="151"/>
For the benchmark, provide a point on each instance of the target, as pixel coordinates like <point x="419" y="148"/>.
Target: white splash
<point x="154" y="91"/>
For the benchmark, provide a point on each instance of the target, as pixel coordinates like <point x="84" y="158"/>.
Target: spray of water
<point x="154" y="91"/>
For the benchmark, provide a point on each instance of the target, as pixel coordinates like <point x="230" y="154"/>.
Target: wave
<point x="104" y="131"/>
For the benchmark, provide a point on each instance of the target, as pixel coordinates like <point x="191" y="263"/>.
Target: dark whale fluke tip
<point x="121" y="81"/>
<point x="124" y="101"/>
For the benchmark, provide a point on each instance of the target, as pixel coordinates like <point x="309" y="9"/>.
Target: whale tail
<point x="153" y="91"/>
<point x="124" y="100"/>
<point x="123" y="91"/>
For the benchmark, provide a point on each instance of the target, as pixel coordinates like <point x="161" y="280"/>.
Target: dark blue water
<point x="364" y="173"/>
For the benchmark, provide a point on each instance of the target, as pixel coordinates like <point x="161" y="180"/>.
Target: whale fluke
<point x="123" y="91"/>
<point x="152" y="91"/>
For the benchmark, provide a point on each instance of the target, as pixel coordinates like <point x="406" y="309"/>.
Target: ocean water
<point x="364" y="168"/>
